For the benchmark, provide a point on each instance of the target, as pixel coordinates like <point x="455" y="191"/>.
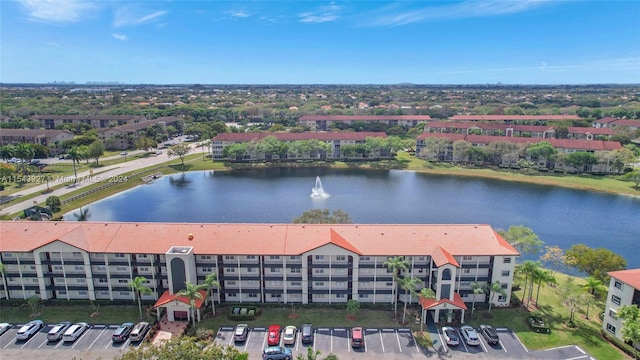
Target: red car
<point x="273" y="338"/>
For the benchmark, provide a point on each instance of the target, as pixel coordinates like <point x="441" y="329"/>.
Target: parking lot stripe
<point x="502" y="345"/>
<point x="94" y="341"/>
<point x="398" y="338"/>
<point x="381" y="341"/>
<point x="86" y="331"/>
<point x="28" y="341"/>
<point x="520" y="342"/>
<point x="44" y="342"/>
<point x="484" y="348"/>
<point x="444" y="343"/>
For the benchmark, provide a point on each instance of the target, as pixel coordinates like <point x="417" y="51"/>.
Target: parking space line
<point x="86" y="331"/>
<point x="98" y="337"/>
<point x="502" y="345"/>
<point x="484" y="349"/>
<point x="45" y="341"/>
<point x="398" y="339"/>
<point x="381" y="341"/>
<point x="246" y="341"/>
<point x="520" y="342"/>
<point x="28" y="341"/>
<point x="444" y="343"/>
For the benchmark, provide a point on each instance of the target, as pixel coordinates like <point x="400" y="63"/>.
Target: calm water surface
<point x="558" y="216"/>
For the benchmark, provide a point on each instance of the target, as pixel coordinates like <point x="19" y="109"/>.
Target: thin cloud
<point x="323" y="14"/>
<point x="125" y="17"/>
<point x="393" y="16"/>
<point x="56" y="11"/>
<point x="238" y="14"/>
<point x="119" y="36"/>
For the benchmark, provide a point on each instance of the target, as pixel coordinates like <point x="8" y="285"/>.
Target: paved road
<point x="86" y="178"/>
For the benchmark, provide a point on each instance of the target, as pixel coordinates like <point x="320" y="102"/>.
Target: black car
<point x="122" y="332"/>
<point x="307" y="333"/>
<point x="489" y="333"/>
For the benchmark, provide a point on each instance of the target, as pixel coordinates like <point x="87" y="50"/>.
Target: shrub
<point x="243" y="313"/>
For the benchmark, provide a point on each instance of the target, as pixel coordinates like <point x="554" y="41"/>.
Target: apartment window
<point x="251" y="269"/>
<point x="143" y="269"/>
<point x="296" y="283"/>
<point x="229" y="282"/>
<point x="121" y="268"/>
<point x="319" y="283"/>
<point x="123" y="281"/>
<point x="229" y="257"/>
<point x="363" y="296"/>
<point x="504" y="286"/>
<point x="102" y="280"/>
<point x="615" y="299"/>
<point x="251" y="257"/>
<point x="420" y="258"/>
<point x="106" y="293"/>
<point x="81" y="281"/>
<point x="275" y="283"/>
<point x="204" y="257"/>
<point x="318" y="271"/>
<point x="119" y="255"/>
<point x="467" y="258"/>
<point x="319" y="257"/>
<point x="506" y="260"/>
<point x="142" y="256"/>
<point x="101" y="268"/>
<point x="76" y="254"/>
<point x="206" y="269"/>
<point x="78" y="268"/>
<point x="295" y="270"/>
<point x="613" y="313"/>
<point x="505" y="272"/>
<point x="274" y="257"/>
<point x="611" y="328"/>
<point x="389" y="284"/>
<point x="82" y="292"/>
<point x="57" y="267"/>
<point x="253" y="295"/>
<point x="340" y="296"/>
<point x="364" y="258"/>
<point x="294" y="257"/>
<point x="232" y="294"/>
<point x="276" y="296"/>
<point x="466" y="271"/>
<point x="32" y="267"/>
<point x="341" y="258"/>
<point x="275" y="270"/>
<point x="502" y="298"/>
<point x="618" y="284"/>
<point x="125" y="293"/>
<point x="231" y="270"/>
<point x="35" y="280"/>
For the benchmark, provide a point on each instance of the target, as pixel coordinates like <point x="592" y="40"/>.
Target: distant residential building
<point x="255" y="263"/>
<point x="48" y="138"/>
<point x="589" y="133"/>
<point x="612" y="123"/>
<point x="325" y="122"/>
<point x="123" y="137"/>
<point x="514" y="119"/>
<point x="624" y="289"/>
<point x="491" y="129"/>
<point x="336" y="140"/>
<point x="96" y="121"/>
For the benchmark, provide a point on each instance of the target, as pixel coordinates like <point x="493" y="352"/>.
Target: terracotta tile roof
<point x="488" y="126"/>
<point x="33" y="132"/>
<point x="513" y="117"/>
<point x="442" y="257"/>
<point x="365" y="117"/>
<point x="167" y="298"/>
<point x="429" y="303"/>
<point x="322" y="136"/>
<point x="256" y="239"/>
<point x="88" y="117"/>
<point x="590" y="130"/>
<point x="606" y="120"/>
<point x="631" y="277"/>
<point x="577" y="144"/>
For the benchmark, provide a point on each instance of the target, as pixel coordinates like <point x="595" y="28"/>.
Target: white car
<point x="450" y="336"/>
<point x="74" y="332"/>
<point x="29" y="329"/>
<point x="289" y="336"/>
<point x="58" y="330"/>
<point x="470" y="335"/>
<point x="4" y="327"/>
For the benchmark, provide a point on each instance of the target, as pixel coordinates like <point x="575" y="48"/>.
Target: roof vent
<point x="190" y="237"/>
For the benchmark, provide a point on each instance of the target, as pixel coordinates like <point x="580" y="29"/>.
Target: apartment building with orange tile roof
<point x="326" y="122"/>
<point x="624" y="289"/>
<point x="255" y="263"/>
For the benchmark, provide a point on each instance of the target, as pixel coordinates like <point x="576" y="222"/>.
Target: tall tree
<point x="555" y="256"/>
<point x="396" y="265"/>
<point x="75" y="156"/>
<point x="426" y="293"/>
<point x="139" y="287"/>
<point x="543" y="277"/>
<point x="180" y="151"/>
<point x="54" y="203"/>
<point x="571" y="296"/>
<point x="495" y="288"/>
<point x="95" y="150"/>
<point x="477" y="289"/>
<point x="211" y="282"/>
<point x="523" y="239"/>
<point x="595" y="262"/>
<point x="527" y="268"/>
<point x="594" y="288"/>
<point x="191" y="292"/>
<point x="630" y="315"/>
<point x="409" y="284"/>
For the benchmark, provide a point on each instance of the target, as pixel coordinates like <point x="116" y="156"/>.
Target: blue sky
<point x="320" y="42"/>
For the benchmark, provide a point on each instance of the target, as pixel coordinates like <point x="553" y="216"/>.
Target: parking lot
<point x="379" y="343"/>
<point x="94" y="343"/>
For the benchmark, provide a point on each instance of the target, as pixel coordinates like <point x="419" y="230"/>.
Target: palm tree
<point x="495" y="288"/>
<point x="426" y="293"/>
<point x="191" y="292"/>
<point x="75" y="156"/>
<point x="83" y="216"/>
<point x="543" y="276"/>
<point x="594" y="287"/>
<point x="396" y="265"/>
<point x="139" y="287"/>
<point x="409" y="284"/>
<point x="527" y="268"/>
<point x="211" y="281"/>
<point x="478" y="289"/>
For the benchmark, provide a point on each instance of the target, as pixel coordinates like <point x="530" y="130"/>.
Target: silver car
<point x="74" y="332"/>
<point x="29" y="329"/>
<point x="58" y="330"/>
<point x="4" y="327"/>
<point x="470" y="335"/>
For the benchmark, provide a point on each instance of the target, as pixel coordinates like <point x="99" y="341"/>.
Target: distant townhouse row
<point x="601" y="149"/>
<point x="612" y="123"/>
<point x="48" y="138"/>
<point x="123" y="137"/>
<point x="326" y="122"/>
<point x="334" y="145"/>
<point x="255" y="263"/>
<point x="96" y="121"/>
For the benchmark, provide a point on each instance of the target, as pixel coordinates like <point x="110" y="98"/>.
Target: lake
<point x="558" y="216"/>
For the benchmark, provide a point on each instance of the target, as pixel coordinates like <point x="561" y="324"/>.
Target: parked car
<point x="489" y="333"/>
<point x="450" y="336"/>
<point x="241" y="332"/>
<point x="4" y="327"/>
<point x="124" y="153"/>
<point x="470" y="335"/>
<point x="122" y="332"/>
<point x="289" y="336"/>
<point x="74" y="332"/>
<point x="29" y="329"/>
<point x="277" y="353"/>
<point x="357" y="337"/>
<point x="307" y="333"/>
<point x="274" y="335"/>
<point x="139" y="331"/>
<point x="58" y="330"/>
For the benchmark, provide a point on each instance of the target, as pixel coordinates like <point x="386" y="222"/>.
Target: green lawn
<point x="75" y="313"/>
